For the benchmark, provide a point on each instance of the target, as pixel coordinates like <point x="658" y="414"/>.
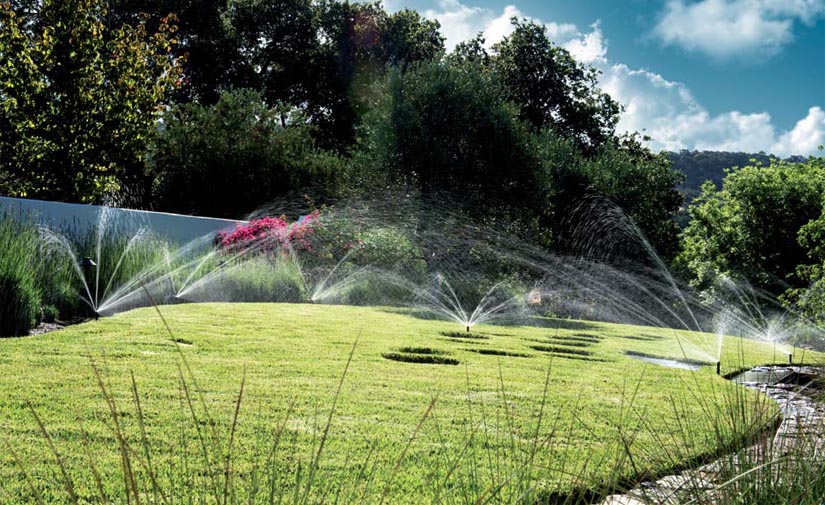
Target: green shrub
<point x="19" y="303"/>
<point x="389" y="248"/>
<point x="49" y="313"/>
<point x="19" y="273"/>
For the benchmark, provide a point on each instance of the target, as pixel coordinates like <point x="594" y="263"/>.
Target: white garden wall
<point x="173" y="227"/>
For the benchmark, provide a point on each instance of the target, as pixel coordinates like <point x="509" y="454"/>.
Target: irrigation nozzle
<point x="87" y="263"/>
<point x="718" y="368"/>
<point x="790" y="358"/>
<point x="468" y="328"/>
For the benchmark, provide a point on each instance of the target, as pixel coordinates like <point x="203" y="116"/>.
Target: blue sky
<point x="737" y="75"/>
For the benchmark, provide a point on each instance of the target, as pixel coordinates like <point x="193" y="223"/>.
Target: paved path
<point x="801" y="435"/>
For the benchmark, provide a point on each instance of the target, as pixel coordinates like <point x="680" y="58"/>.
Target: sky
<point x="727" y="75"/>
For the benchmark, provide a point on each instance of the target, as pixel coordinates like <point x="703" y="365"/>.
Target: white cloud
<point x="668" y="113"/>
<point x="460" y="22"/>
<point x="501" y="26"/>
<point x="664" y="110"/>
<point x="806" y="136"/>
<point x="590" y="47"/>
<point x="734" y="29"/>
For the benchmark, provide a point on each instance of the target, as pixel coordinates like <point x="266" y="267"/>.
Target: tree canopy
<point x="218" y="106"/>
<point x="215" y="160"/>
<point x="751" y="226"/>
<point x="77" y="99"/>
<point x="552" y="88"/>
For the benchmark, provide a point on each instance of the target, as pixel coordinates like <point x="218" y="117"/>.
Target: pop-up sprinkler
<point x="718" y="368"/>
<point x="468" y="328"/>
<point x="87" y="264"/>
<point x="790" y="359"/>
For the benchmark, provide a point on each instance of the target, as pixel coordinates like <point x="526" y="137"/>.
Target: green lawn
<point x="407" y="432"/>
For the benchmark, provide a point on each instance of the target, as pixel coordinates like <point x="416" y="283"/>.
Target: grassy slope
<point x="472" y="439"/>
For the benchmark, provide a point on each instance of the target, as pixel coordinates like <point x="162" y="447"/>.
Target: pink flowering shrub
<point x="272" y="234"/>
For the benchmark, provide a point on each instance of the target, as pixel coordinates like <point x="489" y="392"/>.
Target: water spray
<point x="718" y="368"/>
<point x="87" y="263"/>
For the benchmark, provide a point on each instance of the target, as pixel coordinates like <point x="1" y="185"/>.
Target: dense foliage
<point x="217" y="107"/>
<point x="446" y="128"/>
<point x="761" y="225"/>
<point x="551" y="87"/>
<point x="226" y="159"/>
<point x="811" y="298"/>
<point x="19" y="290"/>
<point x="77" y="99"/>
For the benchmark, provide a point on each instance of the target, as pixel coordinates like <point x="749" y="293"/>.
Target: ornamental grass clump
<point x="19" y="292"/>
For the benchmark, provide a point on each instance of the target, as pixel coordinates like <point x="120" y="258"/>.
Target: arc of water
<point x="320" y="288"/>
<point x="454" y="303"/>
<point x="572" y="274"/>
<point x="482" y="313"/>
<point x="231" y="263"/>
<point x="138" y="237"/>
<point x="147" y="279"/>
<point x="59" y="243"/>
<point x="102" y="225"/>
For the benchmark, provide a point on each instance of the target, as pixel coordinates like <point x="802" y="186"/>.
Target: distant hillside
<point x="700" y="166"/>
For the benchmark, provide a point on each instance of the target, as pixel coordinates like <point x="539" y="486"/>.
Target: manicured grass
<point x="409" y="431"/>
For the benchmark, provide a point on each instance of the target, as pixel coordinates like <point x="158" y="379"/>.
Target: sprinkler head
<point x="718" y="368"/>
<point x="790" y="359"/>
<point x="87" y="262"/>
<point x="468" y="329"/>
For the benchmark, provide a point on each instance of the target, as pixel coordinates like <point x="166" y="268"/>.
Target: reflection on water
<point x="669" y="363"/>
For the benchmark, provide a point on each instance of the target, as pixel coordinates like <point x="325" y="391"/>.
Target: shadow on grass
<point x="561" y="350"/>
<point x="497" y="352"/>
<point x="642" y="338"/>
<point x="429" y="359"/>
<point x="464" y="335"/>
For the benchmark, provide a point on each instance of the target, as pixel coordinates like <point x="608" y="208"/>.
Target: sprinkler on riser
<point x="468" y="328"/>
<point x="87" y="263"/>
<point x="718" y="368"/>
<point x="790" y="359"/>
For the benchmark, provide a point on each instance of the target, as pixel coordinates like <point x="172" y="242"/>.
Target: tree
<point x="278" y="48"/>
<point x="552" y="88"/>
<point x="77" y="100"/>
<point x="227" y="159"/>
<point x="322" y="56"/>
<point x="448" y="128"/>
<point x="810" y="299"/>
<point x="643" y="185"/>
<point x="407" y="38"/>
<point x="750" y="227"/>
<point x="701" y="166"/>
<point x="206" y="44"/>
<point x="359" y="42"/>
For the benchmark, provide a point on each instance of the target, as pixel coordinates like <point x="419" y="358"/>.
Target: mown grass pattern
<point x="259" y="410"/>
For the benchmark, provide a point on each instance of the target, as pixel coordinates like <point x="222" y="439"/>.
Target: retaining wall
<point x="173" y="227"/>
